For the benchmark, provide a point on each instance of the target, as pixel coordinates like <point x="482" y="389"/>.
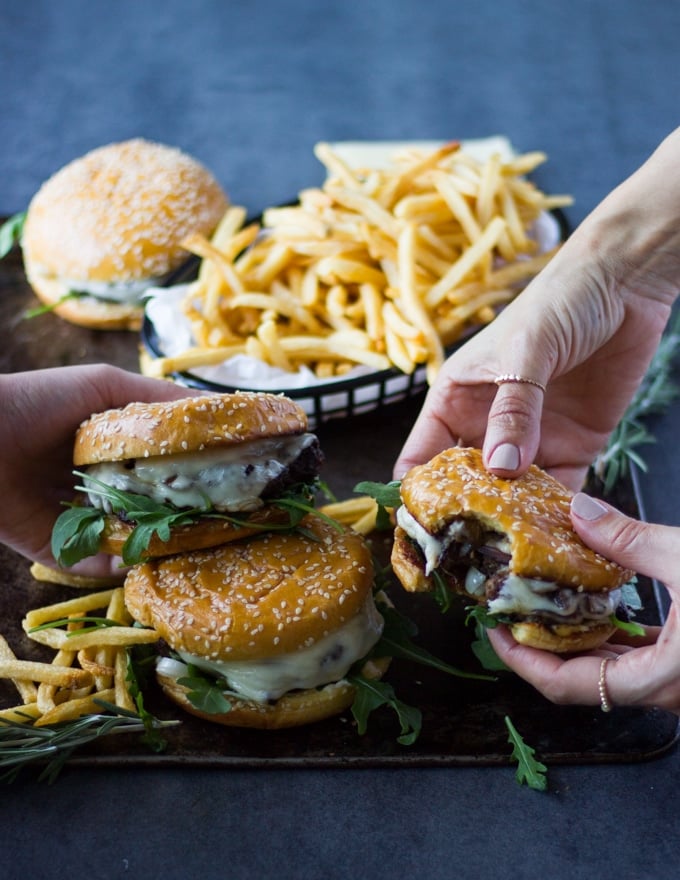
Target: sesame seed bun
<point x="198" y="535"/>
<point x="116" y="215"/>
<point x="191" y="424"/>
<point x="561" y="639"/>
<point x="291" y="710"/>
<point x="532" y="512"/>
<point x="258" y="600"/>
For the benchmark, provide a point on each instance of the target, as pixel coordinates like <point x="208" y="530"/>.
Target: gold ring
<point x="605" y="702"/>
<point x="519" y="380"/>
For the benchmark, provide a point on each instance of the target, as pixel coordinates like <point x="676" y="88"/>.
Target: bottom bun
<point x="290" y="710"/>
<point x="407" y="565"/>
<point x="199" y="535"/>
<point x="86" y="311"/>
<point x="561" y="638"/>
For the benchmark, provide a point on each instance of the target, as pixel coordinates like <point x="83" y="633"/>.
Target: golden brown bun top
<point x="119" y="213"/>
<point x="140" y="430"/>
<point x="533" y="511"/>
<point x="257" y="598"/>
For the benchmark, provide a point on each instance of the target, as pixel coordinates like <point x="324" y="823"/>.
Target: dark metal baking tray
<point x="462" y="719"/>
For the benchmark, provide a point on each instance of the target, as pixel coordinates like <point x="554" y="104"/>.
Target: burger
<point x="163" y="478"/>
<point x="274" y="622"/>
<point x="507" y="545"/>
<point x="110" y="224"/>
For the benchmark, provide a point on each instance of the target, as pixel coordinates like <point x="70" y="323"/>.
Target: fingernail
<point x="586" y="507"/>
<point x="505" y="457"/>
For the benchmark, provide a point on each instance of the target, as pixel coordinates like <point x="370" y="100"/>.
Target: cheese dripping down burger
<point x="508" y="545"/>
<point x="110" y="224"/>
<point x="277" y="620"/>
<point x="214" y="468"/>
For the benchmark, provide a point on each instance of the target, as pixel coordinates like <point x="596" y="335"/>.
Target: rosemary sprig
<point x="654" y="395"/>
<point x="22" y="743"/>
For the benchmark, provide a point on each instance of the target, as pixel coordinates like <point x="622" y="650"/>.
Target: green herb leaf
<point x="654" y="395"/>
<point x="77" y="531"/>
<point x="396" y="641"/>
<point x="11" y="232"/>
<point x="388" y="498"/>
<point x="482" y="647"/>
<point x="140" y="669"/>
<point x="204" y="693"/>
<point x="50" y="307"/>
<point x="441" y="594"/>
<point x="76" y="534"/>
<point x="530" y="771"/>
<point x="22" y="743"/>
<point x="628" y="626"/>
<point x="371" y="695"/>
<point x="93" y="624"/>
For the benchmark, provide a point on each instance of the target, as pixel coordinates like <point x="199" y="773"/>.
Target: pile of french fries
<point x="380" y="267"/>
<point x="90" y="662"/>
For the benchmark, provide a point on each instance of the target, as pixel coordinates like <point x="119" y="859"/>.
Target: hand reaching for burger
<point x="647" y="668"/>
<point x="41" y="411"/>
<point x="586" y="329"/>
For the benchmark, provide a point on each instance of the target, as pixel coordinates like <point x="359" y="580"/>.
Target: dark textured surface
<point x="248" y="88"/>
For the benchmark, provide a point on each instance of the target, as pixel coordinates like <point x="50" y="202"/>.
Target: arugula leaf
<point x="77" y="531"/>
<point x="396" y="641"/>
<point x="628" y="626"/>
<point x="482" y="647"/>
<point x="204" y="693"/>
<point x="441" y="594"/>
<point x="530" y="771"/>
<point x="484" y="651"/>
<point x="95" y="623"/>
<point x="11" y="232"/>
<point x="76" y="534"/>
<point x="388" y="498"/>
<point x="371" y="694"/>
<point x="50" y="307"/>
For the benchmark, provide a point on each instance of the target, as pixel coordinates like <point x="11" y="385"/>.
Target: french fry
<point x="33" y="670"/>
<point x="26" y="688"/>
<point x="67" y="711"/>
<point x="64" y="577"/>
<point x="398" y="253"/>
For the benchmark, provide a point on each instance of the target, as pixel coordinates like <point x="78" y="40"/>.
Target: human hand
<point x="41" y="411"/>
<point x="586" y="327"/>
<point x="647" y="668"/>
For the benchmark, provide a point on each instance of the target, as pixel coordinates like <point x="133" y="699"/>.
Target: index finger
<point x="514" y="427"/>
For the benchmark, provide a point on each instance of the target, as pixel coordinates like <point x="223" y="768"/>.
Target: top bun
<point x="118" y="214"/>
<point x="532" y="511"/>
<point x="140" y="430"/>
<point x="270" y="595"/>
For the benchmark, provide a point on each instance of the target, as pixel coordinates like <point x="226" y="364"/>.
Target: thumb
<point x="513" y="428"/>
<point x="651" y="550"/>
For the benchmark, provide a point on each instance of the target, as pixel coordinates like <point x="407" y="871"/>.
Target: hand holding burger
<point x="509" y="546"/>
<point x="646" y="669"/>
<point x="41" y="411"/>
<point x="190" y="473"/>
